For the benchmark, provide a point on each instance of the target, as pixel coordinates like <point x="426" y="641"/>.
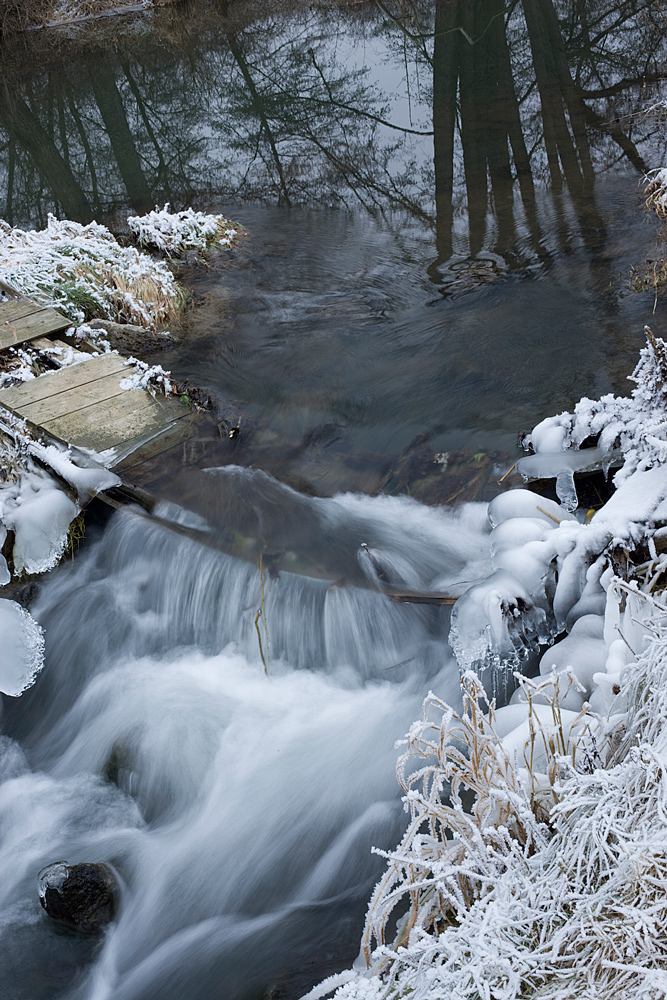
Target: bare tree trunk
<point x="112" y="110"/>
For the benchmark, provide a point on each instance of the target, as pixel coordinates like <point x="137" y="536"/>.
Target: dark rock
<point x="83" y="896"/>
<point x="129" y="339"/>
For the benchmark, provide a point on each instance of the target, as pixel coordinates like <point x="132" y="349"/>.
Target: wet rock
<point x="83" y="896"/>
<point x="129" y="339"/>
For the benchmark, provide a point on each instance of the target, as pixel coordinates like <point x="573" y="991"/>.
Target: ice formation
<point x="561" y="466"/>
<point x="634" y="425"/>
<point x="39" y="514"/>
<point x="34" y="504"/>
<point x="85" y="272"/>
<point x="85" y="480"/>
<point x="21" y="649"/>
<point x="550" y="569"/>
<point x="180" y="233"/>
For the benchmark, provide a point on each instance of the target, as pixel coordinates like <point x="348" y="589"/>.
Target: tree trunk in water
<point x="112" y="110"/>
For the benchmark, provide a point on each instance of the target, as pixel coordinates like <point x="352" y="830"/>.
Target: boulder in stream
<point x="82" y="896"/>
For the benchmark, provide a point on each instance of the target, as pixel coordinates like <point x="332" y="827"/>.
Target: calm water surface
<point x="442" y="207"/>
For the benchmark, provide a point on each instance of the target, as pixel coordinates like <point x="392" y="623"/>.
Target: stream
<point x="437" y="252"/>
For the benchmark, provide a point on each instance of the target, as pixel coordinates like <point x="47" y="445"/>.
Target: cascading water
<point x="238" y="809"/>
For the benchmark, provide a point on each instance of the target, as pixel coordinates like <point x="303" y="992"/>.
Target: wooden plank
<point x="18" y="308"/>
<point x="63" y="380"/>
<point x="37" y="324"/>
<point x="45" y="344"/>
<point x="178" y="424"/>
<point x="107" y="424"/>
<point x="77" y="398"/>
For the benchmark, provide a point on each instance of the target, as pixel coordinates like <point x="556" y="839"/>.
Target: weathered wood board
<point x="84" y="405"/>
<point x="22" y="320"/>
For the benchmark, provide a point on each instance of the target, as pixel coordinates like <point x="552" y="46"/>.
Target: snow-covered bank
<point x="553" y="882"/>
<point x="554" y="885"/>
<point x="85" y="272"/>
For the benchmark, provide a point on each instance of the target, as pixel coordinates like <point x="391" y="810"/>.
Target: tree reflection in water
<point x="451" y="112"/>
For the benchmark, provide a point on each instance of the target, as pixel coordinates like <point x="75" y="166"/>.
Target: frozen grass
<point x="178" y="234"/>
<point x="554" y="885"/>
<point x="86" y="273"/>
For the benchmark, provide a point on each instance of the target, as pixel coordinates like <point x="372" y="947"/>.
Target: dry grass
<point x="508" y="822"/>
<point x="84" y="272"/>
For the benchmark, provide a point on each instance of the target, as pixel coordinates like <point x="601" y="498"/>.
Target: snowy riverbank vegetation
<point x="177" y="234"/>
<point x="86" y="273"/>
<point x="552" y="883"/>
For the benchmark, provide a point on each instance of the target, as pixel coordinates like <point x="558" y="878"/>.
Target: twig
<point x="511" y="469"/>
<point x="259" y="639"/>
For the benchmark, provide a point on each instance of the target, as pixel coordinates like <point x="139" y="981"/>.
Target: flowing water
<point x="438" y="250"/>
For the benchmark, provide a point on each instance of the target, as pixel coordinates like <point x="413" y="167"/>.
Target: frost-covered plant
<point x="180" y="233"/>
<point x="451" y="858"/>
<point x="151" y="377"/>
<point x="86" y="273"/>
<point x="582" y="911"/>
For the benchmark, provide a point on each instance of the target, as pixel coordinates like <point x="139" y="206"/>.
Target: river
<point x="437" y="252"/>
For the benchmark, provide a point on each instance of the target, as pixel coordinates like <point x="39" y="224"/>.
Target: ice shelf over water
<point x="21" y="648"/>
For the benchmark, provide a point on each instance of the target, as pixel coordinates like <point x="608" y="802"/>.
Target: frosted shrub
<point x="179" y="233"/>
<point x="554" y="885"/>
<point x="86" y="273"/>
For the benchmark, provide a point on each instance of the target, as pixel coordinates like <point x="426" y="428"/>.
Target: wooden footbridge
<point x="82" y="405"/>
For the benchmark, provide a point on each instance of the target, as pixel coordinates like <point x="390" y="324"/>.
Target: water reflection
<point x="442" y="110"/>
<point x="465" y="144"/>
